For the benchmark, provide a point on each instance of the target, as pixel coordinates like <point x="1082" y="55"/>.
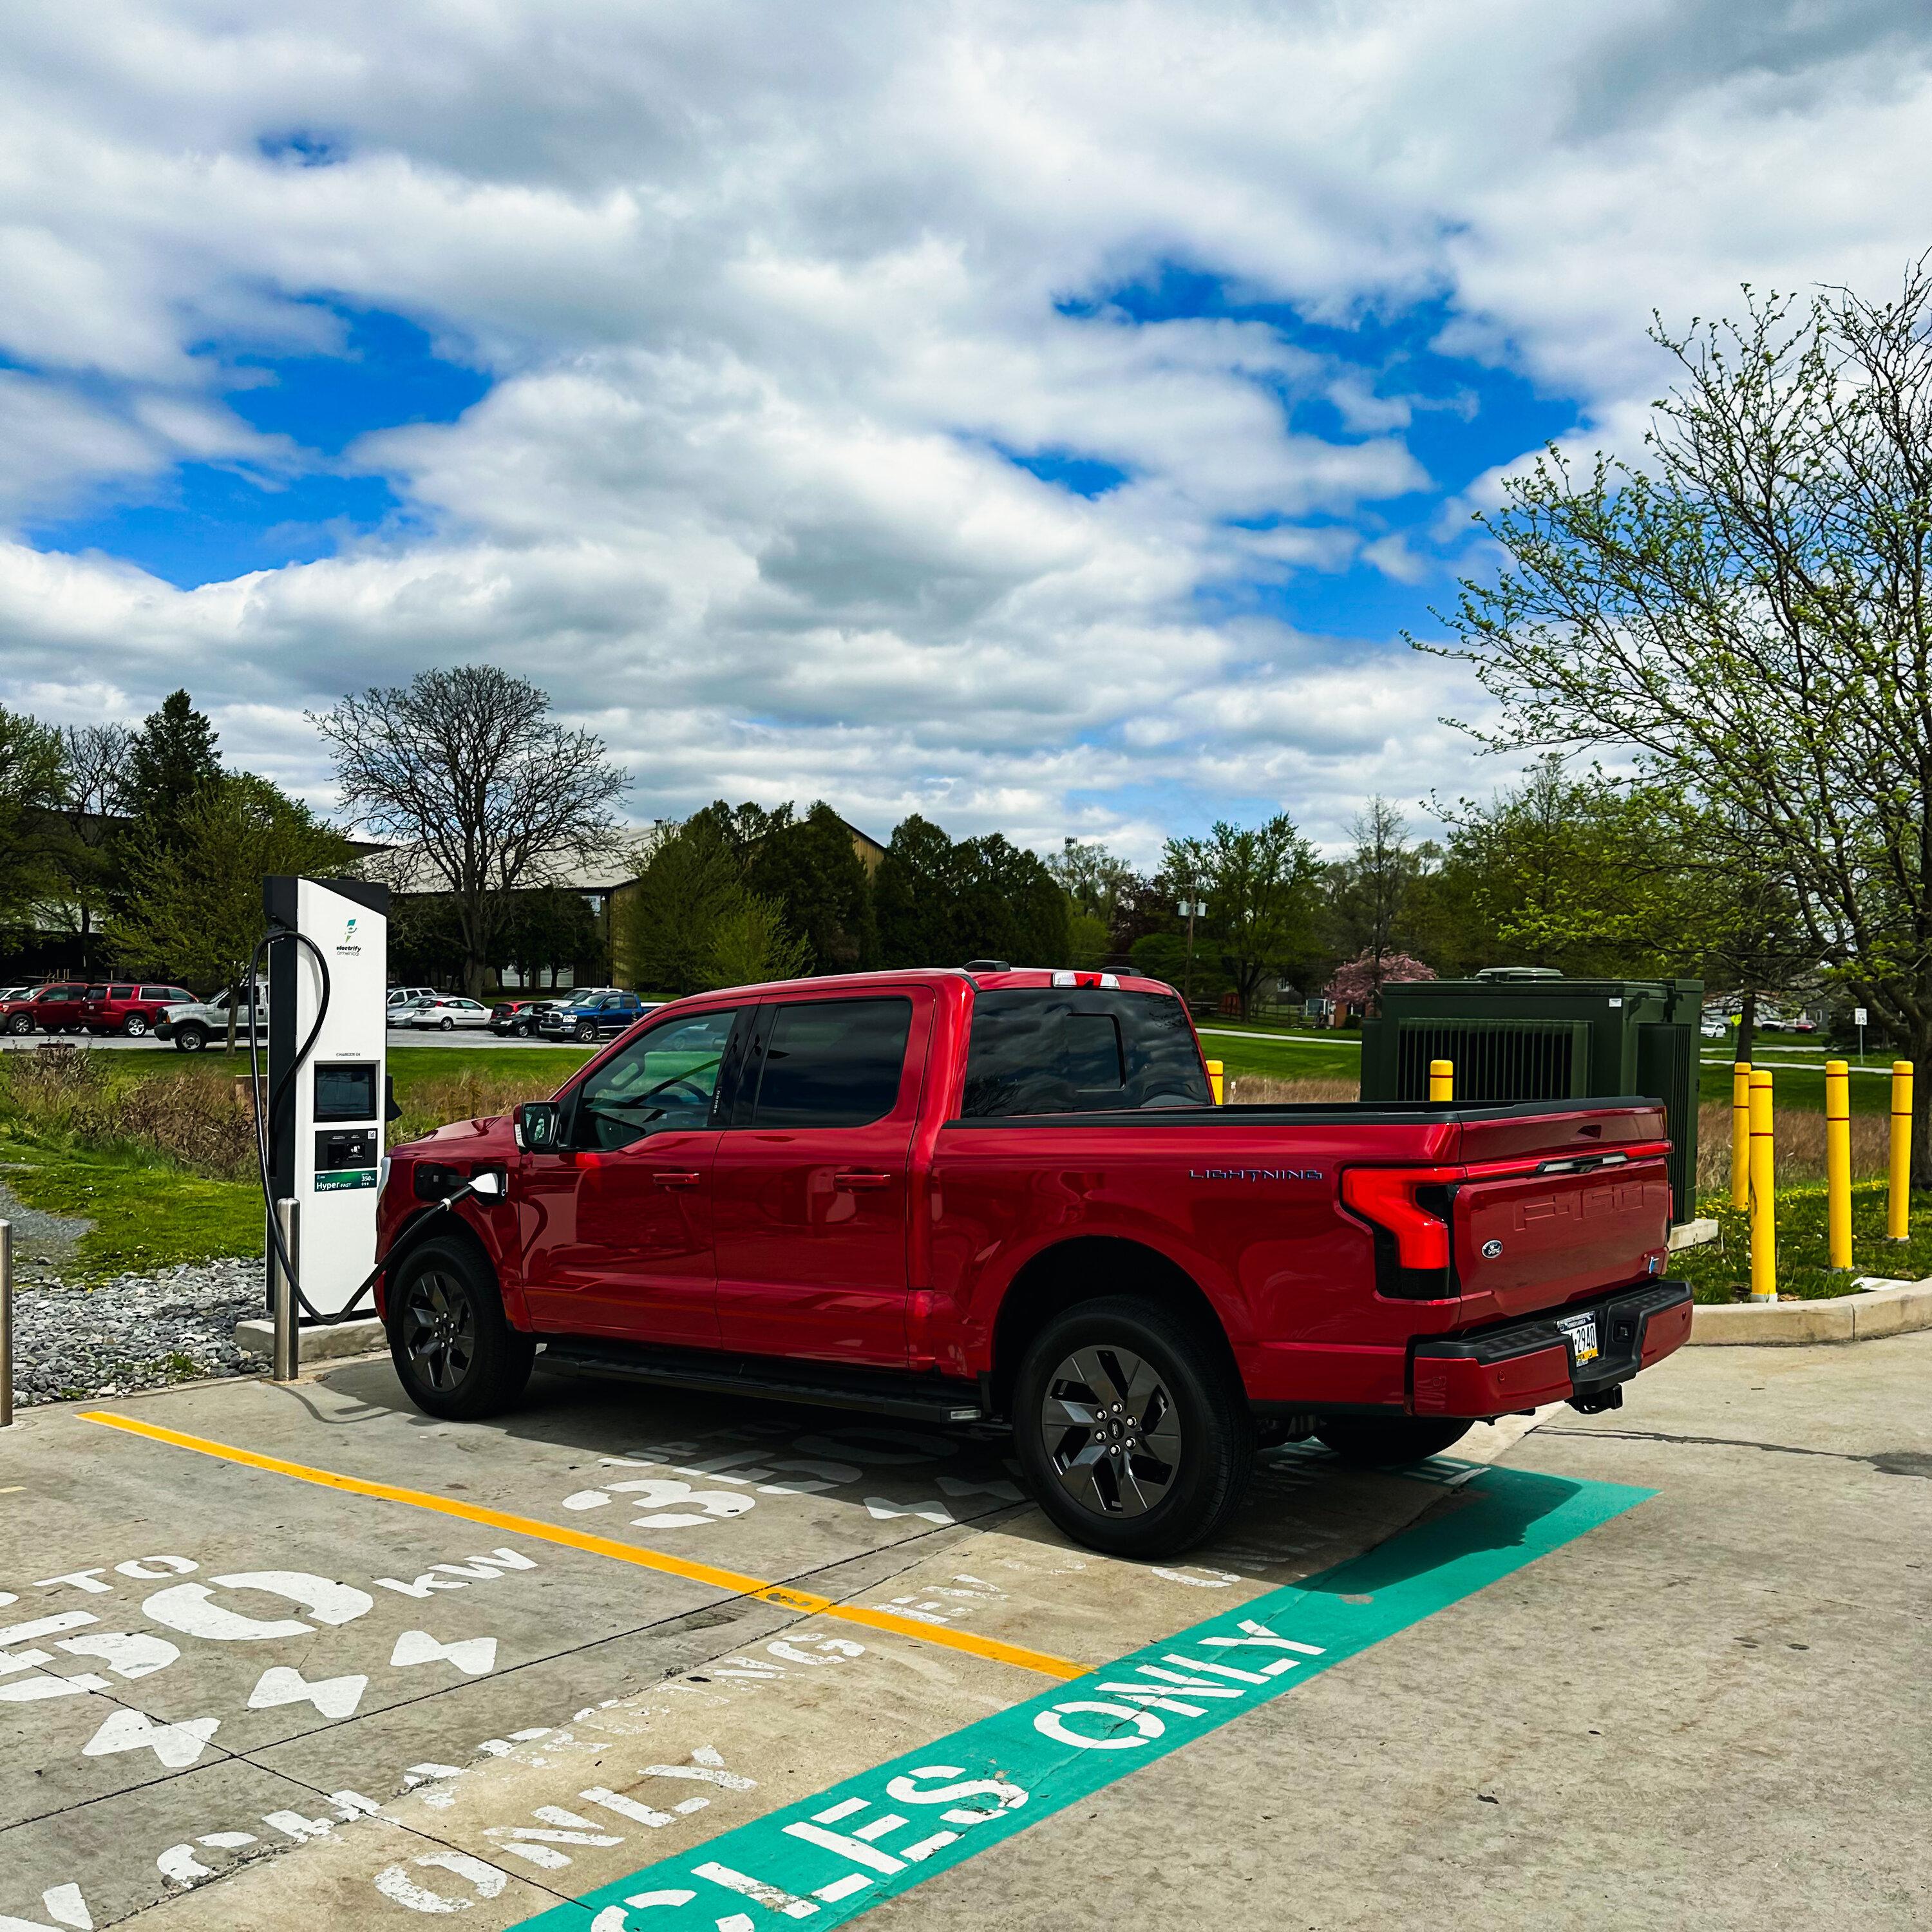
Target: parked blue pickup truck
<point x="597" y="1012"/>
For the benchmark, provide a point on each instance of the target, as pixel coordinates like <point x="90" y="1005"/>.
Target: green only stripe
<point x="828" y="1859"/>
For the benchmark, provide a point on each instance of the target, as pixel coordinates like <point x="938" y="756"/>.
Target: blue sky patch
<point x="202" y="523"/>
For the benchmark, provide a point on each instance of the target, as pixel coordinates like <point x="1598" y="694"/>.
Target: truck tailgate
<point x="1527" y="1241"/>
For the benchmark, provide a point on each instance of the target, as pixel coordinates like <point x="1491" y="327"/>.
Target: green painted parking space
<point x="835" y="1855"/>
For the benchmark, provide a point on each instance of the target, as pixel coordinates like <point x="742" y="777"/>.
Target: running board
<point x="905" y="1397"/>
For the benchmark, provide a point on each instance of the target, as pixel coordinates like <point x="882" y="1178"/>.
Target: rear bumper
<point x="1523" y="1364"/>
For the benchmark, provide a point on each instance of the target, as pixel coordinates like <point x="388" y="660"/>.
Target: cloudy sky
<point x="1044" y="418"/>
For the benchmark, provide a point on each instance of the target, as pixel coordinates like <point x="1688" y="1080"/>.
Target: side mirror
<point x="538" y="1126"/>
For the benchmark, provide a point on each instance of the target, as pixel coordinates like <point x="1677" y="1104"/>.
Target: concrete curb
<point x="1861" y="1317"/>
<point x="256" y="1337"/>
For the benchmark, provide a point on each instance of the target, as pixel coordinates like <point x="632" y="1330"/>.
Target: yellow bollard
<point x="1763" y="1198"/>
<point x="1442" y="1080"/>
<point x="1838" y="1161"/>
<point x="1898" y="1214"/>
<point x="1215" y="1081"/>
<point x="1740" y="1135"/>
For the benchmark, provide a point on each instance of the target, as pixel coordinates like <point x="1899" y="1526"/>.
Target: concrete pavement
<point x="1707" y="1710"/>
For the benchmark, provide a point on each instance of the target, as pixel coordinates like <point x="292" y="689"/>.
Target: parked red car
<point x="963" y="1196"/>
<point x="53" y="1008"/>
<point x="131" y="1007"/>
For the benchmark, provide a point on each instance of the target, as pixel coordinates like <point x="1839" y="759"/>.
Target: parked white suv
<point x="193" y="1025"/>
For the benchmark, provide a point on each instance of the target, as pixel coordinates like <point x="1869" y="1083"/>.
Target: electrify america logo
<point x="348" y="949"/>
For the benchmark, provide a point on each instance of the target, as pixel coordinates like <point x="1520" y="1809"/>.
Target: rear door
<point x="811" y="1179"/>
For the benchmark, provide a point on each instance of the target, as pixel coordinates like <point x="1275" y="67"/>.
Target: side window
<point x="666" y="1079"/>
<point x="831" y="1063"/>
<point x="120" y="992"/>
<point x="154" y="993"/>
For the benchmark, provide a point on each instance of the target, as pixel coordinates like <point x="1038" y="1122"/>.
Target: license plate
<point x="1582" y="1330"/>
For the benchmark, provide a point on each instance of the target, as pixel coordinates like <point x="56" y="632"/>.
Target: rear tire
<point x="135" y="1026"/>
<point x="449" y="1024"/>
<point x="1132" y="1428"/>
<point x="455" y="1353"/>
<point x="1379" y="1442"/>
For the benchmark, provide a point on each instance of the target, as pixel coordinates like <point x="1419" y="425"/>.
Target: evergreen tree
<point x="170" y="760"/>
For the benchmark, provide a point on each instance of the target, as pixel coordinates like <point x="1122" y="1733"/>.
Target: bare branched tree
<point x="485" y="793"/>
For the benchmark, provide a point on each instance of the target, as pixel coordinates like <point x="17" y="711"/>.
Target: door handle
<point x="861" y="1183"/>
<point x="671" y="1178"/>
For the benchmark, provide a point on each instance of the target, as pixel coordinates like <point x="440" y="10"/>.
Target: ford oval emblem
<point x="1492" y="1249"/>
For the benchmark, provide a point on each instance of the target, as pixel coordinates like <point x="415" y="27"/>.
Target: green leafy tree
<point x="193" y="910"/>
<point x="33" y="784"/>
<point x="809" y="868"/>
<point x="1374" y="897"/>
<point x="751" y="943"/>
<point x="550" y="926"/>
<point x="1261" y="884"/>
<point x="915" y="894"/>
<point x="666" y="928"/>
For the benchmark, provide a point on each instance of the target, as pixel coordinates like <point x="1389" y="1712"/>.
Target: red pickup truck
<point x="973" y="1195"/>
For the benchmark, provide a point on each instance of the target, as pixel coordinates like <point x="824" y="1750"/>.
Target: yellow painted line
<point x="804" y="1601"/>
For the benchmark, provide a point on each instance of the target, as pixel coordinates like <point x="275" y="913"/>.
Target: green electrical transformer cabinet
<point x="1528" y="1034"/>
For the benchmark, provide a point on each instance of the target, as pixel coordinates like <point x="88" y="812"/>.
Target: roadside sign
<point x="1857" y="1016"/>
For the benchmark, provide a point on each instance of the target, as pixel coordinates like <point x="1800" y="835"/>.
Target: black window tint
<point x="1050" y="1050"/>
<point x="831" y="1063"/>
<point x="665" y="1079"/>
<point x="1089" y="1053"/>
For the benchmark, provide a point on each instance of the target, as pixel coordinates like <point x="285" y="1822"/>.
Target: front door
<point x="617" y="1227"/>
<point x="811" y="1179"/>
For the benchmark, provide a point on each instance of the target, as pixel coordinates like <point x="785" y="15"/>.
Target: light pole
<point x="1189" y="909"/>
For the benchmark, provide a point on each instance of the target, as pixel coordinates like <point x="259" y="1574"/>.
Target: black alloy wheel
<point x="1133" y="1426"/>
<point x="454" y="1350"/>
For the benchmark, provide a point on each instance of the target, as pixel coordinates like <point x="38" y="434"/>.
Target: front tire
<point x="190" y="1039"/>
<point x="455" y="1353"/>
<point x="1132" y="1428"/>
<point x="586" y="1032"/>
<point x="1386" y="1442"/>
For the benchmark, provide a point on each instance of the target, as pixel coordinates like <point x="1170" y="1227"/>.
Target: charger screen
<point x="346" y="1090"/>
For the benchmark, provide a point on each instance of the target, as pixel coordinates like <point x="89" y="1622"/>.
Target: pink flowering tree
<point x="1360" y="981"/>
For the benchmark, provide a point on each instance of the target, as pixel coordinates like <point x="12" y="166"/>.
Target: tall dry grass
<point x="430" y="1103"/>
<point x="1265" y="1090"/>
<point x="1799" y="1145"/>
<point x="63" y="1094"/>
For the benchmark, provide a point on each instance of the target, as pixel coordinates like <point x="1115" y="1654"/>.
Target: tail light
<point x="1408" y="1209"/>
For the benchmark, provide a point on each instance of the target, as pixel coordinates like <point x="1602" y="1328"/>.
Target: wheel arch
<point x="1089" y="1268"/>
<point x="454" y="1227"/>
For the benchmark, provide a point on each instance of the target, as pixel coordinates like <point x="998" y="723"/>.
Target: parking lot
<point x="298" y="1655"/>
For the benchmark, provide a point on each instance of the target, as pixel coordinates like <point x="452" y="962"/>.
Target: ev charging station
<point x="327" y="1089"/>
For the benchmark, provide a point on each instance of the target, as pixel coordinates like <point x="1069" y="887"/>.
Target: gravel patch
<point x="137" y="1331"/>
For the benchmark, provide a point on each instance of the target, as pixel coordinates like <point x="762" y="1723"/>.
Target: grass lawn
<point x="1717" y="1270"/>
<point x="146" y="1215"/>
<point x="1321" y="1056"/>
